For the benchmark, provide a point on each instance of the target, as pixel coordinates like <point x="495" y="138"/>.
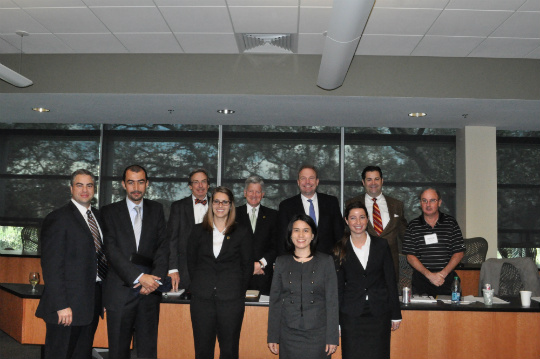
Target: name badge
<point x="431" y="238"/>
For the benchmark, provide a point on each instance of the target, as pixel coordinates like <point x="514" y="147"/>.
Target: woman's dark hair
<point x="208" y="220"/>
<point x="340" y="249"/>
<point x="311" y="223"/>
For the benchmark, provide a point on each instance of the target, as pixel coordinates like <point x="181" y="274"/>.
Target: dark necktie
<point x="377" y="219"/>
<point x="201" y="201"/>
<point x="100" y="254"/>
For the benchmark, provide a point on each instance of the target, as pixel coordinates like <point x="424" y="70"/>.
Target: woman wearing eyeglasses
<point x="220" y="266"/>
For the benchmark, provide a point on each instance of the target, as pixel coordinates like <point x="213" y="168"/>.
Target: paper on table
<point x="172" y="293"/>
<point x="423" y="299"/>
<point x="264" y="299"/>
<point x="481" y="299"/>
<point x="536" y="299"/>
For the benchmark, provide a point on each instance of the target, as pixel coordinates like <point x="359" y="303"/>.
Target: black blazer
<point x="120" y="244"/>
<point x="179" y="227"/>
<point x="378" y="281"/>
<point x="226" y="276"/>
<point x="329" y="229"/>
<point x="264" y="240"/>
<point x="69" y="265"/>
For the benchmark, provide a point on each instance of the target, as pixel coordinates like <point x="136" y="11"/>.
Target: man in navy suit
<point x="135" y="238"/>
<point x="185" y="214"/>
<point x="262" y="223"/>
<point x="73" y="264"/>
<point x="323" y="208"/>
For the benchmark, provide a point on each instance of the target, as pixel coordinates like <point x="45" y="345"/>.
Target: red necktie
<point x="377" y="220"/>
<point x="201" y="201"/>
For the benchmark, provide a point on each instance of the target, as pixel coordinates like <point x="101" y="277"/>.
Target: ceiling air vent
<point x="268" y="43"/>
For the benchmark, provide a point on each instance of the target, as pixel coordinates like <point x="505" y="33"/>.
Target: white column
<point x="476" y="184"/>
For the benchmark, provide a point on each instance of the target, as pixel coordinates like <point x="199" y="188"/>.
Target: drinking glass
<point x="33" y="278"/>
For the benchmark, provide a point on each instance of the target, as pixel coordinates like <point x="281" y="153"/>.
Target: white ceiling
<point x="447" y="28"/>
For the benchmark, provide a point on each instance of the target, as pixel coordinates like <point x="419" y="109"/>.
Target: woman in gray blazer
<point x="303" y="315"/>
<point x="368" y="299"/>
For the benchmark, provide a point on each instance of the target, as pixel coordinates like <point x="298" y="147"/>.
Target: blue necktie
<point x="312" y="211"/>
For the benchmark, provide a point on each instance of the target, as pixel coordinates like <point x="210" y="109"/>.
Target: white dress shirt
<point x="199" y="209"/>
<point x="217" y="240"/>
<point x="132" y="215"/>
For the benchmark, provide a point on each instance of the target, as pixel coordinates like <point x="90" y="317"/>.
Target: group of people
<point x="327" y="274"/>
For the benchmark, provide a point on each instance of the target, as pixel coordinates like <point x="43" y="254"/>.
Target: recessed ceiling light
<point x="226" y="112"/>
<point x="41" y="109"/>
<point x="417" y="114"/>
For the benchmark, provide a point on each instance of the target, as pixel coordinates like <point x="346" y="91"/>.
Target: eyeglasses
<point x="223" y="203"/>
<point x="431" y="201"/>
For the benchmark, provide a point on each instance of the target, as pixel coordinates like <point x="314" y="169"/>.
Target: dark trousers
<point x="74" y="341"/>
<point x="221" y="318"/>
<point x="140" y="314"/>
<point x="261" y="282"/>
<point x="422" y="285"/>
<point x="365" y="337"/>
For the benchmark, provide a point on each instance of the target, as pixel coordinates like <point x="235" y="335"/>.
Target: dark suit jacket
<point x="264" y="243"/>
<point x="394" y="230"/>
<point x="378" y="281"/>
<point x="179" y="227"/>
<point x="226" y="276"/>
<point x="120" y="244"/>
<point x="69" y="264"/>
<point x="329" y="229"/>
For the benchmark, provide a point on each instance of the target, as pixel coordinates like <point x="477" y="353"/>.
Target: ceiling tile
<point x="262" y="2"/>
<point x="505" y="48"/>
<point x="485" y="5"/>
<point x="445" y="46"/>
<point x="40" y="44"/>
<point x="164" y="43"/>
<point x="530" y="5"/>
<point x="190" y="2"/>
<point x="468" y="22"/>
<point x="412" y="4"/>
<point x="132" y="19"/>
<point x="314" y="19"/>
<point x="119" y="2"/>
<point x="264" y="19"/>
<point x="67" y="20"/>
<point x="387" y="45"/>
<point x="8" y="4"/>
<point x="329" y="3"/>
<point x="49" y="3"/>
<point x="189" y="19"/>
<point x="93" y="43"/>
<point x="208" y="43"/>
<point x="385" y="21"/>
<point x="7" y="48"/>
<point x="311" y="44"/>
<point x="12" y="20"/>
<point x="521" y="24"/>
<point x="535" y="54"/>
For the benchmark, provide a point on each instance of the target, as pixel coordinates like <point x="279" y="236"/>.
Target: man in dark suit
<point x="74" y="265"/>
<point x="389" y="221"/>
<point x="323" y="208"/>
<point x="262" y="222"/>
<point x="185" y="214"/>
<point x="135" y="238"/>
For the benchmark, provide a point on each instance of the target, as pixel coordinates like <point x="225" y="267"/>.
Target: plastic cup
<point x="525" y="298"/>
<point x="488" y="296"/>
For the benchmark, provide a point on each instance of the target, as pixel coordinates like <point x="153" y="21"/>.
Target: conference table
<point x="427" y="331"/>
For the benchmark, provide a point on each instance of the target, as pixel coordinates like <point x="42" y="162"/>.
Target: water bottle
<point x="456" y="290"/>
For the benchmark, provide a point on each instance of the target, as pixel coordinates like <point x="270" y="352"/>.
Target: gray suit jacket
<point x="304" y="302"/>
<point x="394" y="230"/>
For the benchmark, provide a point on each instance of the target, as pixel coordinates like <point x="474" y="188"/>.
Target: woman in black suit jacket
<point x="220" y="266"/>
<point x="368" y="299"/>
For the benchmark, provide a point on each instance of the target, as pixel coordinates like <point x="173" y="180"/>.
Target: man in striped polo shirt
<point x="434" y="246"/>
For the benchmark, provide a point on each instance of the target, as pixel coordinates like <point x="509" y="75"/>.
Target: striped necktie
<point x="100" y="254"/>
<point x="377" y="219"/>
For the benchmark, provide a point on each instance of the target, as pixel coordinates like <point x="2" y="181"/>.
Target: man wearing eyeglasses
<point x="185" y="213"/>
<point x="434" y="246"/>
